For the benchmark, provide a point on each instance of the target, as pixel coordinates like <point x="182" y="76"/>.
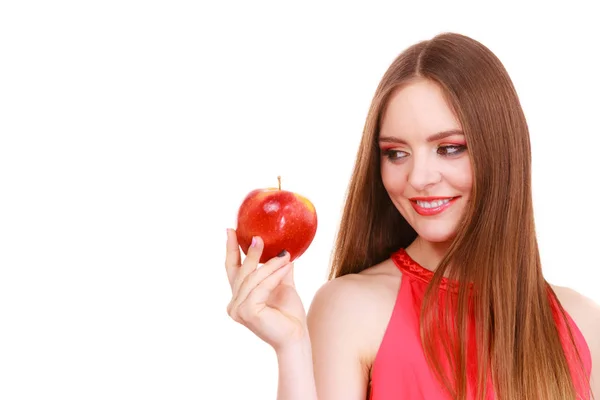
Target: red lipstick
<point x="429" y="211"/>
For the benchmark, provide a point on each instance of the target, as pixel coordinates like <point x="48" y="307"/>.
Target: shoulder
<point x="347" y="320"/>
<point x="354" y="307"/>
<point x="584" y="311"/>
<point x="586" y="314"/>
<point x="356" y="293"/>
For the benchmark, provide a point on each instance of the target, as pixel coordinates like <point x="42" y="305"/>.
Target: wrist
<point x="296" y="375"/>
<point x="295" y="350"/>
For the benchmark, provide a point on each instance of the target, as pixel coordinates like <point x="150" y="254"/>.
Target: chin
<point x="437" y="237"/>
<point x="439" y="229"/>
<point x="436" y="233"/>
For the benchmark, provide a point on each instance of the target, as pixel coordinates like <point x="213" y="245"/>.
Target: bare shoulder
<point x="357" y="301"/>
<point x="581" y="308"/>
<point x="360" y="289"/>
<point x="585" y="312"/>
<point x="347" y="319"/>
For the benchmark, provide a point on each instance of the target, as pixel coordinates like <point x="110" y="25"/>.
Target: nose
<point x="424" y="173"/>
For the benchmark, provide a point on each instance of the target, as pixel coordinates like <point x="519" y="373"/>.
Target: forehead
<point x="418" y="108"/>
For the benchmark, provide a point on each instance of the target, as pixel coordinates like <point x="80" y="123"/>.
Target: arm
<point x="594" y="343"/>
<point x="339" y="336"/>
<point x="327" y="364"/>
<point x="296" y="377"/>
<point x="591" y="332"/>
<point x="586" y="315"/>
<point x="266" y="302"/>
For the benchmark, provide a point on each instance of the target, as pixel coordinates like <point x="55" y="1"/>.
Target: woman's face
<point x="425" y="164"/>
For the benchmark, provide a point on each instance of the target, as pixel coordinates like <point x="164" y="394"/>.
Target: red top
<point x="400" y="370"/>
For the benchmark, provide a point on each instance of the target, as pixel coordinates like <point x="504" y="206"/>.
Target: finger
<point x="257" y="298"/>
<point x="233" y="256"/>
<point x="288" y="279"/>
<point x="257" y="276"/>
<point x="250" y="262"/>
<point x="261" y="293"/>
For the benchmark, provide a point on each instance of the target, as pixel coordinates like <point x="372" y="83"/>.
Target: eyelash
<point x="455" y="148"/>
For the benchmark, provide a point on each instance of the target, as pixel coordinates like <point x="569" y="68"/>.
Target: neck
<point x="428" y="254"/>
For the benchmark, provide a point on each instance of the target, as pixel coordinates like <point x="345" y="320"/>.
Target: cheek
<point x="462" y="176"/>
<point x="394" y="180"/>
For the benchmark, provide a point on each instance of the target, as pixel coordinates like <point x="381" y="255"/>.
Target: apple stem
<point x="279" y="180"/>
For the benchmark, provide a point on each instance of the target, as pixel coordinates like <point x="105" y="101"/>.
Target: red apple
<point x="284" y="220"/>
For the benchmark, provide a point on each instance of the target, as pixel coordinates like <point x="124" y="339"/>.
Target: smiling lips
<point x="428" y="206"/>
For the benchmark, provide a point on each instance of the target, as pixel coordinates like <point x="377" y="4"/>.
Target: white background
<point x="131" y="131"/>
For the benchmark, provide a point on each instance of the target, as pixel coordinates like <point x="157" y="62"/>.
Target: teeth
<point x="432" y="204"/>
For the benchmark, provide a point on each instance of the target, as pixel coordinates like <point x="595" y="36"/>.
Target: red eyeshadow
<point x="387" y="147"/>
<point x="459" y="143"/>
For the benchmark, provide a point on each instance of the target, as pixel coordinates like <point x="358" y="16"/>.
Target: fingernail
<point x="253" y="241"/>
<point x="283" y="253"/>
<point x="227" y="230"/>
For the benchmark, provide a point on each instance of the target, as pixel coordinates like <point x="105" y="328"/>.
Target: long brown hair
<point x="495" y="248"/>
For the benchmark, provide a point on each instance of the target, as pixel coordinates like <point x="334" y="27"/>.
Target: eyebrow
<point x="432" y="138"/>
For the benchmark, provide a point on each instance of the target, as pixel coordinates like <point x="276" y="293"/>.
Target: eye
<point x="451" y="149"/>
<point x="395" y="155"/>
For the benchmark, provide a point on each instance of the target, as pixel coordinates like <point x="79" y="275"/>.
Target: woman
<point x="437" y="290"/>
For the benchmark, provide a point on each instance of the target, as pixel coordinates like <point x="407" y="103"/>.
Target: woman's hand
<point x="264" y="299"/>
